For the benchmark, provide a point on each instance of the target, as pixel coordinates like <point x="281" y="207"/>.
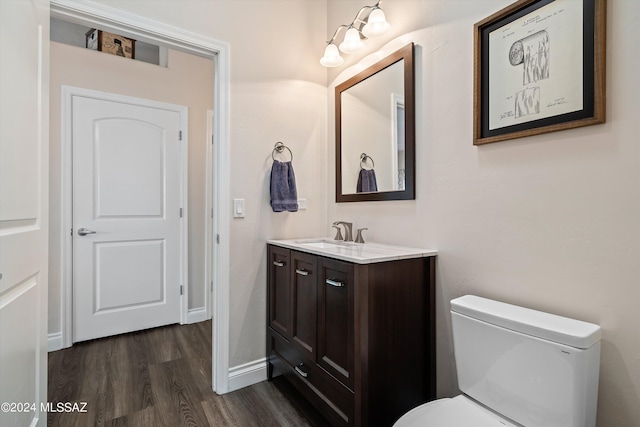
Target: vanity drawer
<point x="336" y="400"/>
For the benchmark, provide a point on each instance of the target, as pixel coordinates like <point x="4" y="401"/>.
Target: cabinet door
<point x="335" y="319"/>
<point x="279" y="290"/>
<point x="304" y="281"/>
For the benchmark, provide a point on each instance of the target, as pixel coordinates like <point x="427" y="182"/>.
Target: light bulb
<point x="331" y="56"/>
<point x="351" y="42"/>
<point x="376" y="25"/>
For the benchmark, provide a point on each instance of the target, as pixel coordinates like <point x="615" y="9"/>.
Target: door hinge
<point x="180" y="135"/>
<point x="180" y="212"/>
<point x="181" y="289"/>
<point x="217" y="238"/>
<point x="71" y="233"/>
<point x="211" y="212"/>
<point x="212" y="286"/>
<point x="212" y="139"/>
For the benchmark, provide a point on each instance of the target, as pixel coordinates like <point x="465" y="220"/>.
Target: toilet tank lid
<point x="563" y="330"/>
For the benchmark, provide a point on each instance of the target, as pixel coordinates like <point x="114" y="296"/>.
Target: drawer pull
<point x="302" y="272"/>
<point x="334" y="283"/>
<point x="278" y="263"/>
<point x="302" y="373"/>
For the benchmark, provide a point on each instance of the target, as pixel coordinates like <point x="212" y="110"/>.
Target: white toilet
<point x="516" y="367"/>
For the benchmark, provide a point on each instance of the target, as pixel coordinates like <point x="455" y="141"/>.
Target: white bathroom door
<point x="24" y="186"/>
<point x="127" y="215"/>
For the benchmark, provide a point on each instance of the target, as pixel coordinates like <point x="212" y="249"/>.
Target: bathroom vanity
<point x="352" y="327"/>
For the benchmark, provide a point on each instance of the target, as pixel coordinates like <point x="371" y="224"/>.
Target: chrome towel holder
<point x="363" y="161"/>
<point x="279" y="148"/>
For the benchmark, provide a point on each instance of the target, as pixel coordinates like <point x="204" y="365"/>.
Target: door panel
<point x="335" y="325"/>
<point x="118" y="264"/>
<point x="122" y="146"/>
<point x="127" y="174"/>
<point x="24" y="184"/>
<point x="304" y="281"/>
<point x="280" y="291"/>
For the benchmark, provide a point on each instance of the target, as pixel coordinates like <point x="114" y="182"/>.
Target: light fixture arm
<point x="360" y="21"/>
<point x="356" y="21"/>
<point x="335" y="34"/>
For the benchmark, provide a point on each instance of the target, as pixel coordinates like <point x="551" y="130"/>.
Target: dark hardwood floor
<point x="162" y="377"/>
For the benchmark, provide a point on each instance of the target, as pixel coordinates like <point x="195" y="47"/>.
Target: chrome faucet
<point x="348" y="227"/>
<point x="359" y="238"/>
<point x="338" y="233"/>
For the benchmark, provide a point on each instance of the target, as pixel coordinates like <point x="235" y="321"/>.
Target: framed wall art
<point x="539" y="67"/>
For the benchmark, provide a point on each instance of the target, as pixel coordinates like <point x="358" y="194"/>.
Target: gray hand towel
<point x="367" y="181"/>
<point x="284" y="195"/>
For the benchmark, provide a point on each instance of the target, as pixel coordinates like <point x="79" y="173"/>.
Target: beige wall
<point x="551" y="222"/>
<point x="277" y="94"/>
<point x="188" y="80"/>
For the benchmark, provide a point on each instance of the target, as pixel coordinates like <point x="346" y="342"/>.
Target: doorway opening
<point x="149" y="31"/>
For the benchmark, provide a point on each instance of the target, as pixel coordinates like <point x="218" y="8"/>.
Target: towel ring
<point x="279" y="147"/>
<point x="363" y="161"/>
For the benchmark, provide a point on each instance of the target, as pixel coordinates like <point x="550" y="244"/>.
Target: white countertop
<point x="359" y="253"/>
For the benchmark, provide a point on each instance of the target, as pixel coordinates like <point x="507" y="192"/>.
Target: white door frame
<point x="66" y="142"/>
<point x="209" y="217"/>
<point x="140" y="28"/>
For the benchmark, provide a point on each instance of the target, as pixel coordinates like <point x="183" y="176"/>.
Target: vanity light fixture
<point x="351" y="42"/>
<point x="369" y="22"/>
<point x="331" y="56"/>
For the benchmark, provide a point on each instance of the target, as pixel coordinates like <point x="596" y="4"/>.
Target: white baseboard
<point x="247" y="374"/>
<point x="195" y="315"/>
<point x="54" y="341"/>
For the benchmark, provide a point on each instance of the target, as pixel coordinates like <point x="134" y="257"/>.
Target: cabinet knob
<point x="302" y="272"/>
<point x="278" y="263"/>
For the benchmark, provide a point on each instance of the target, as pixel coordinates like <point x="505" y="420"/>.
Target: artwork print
<point x="536" y="66"/>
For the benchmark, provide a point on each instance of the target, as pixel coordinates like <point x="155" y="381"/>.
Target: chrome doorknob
<point x="83" y="231"/>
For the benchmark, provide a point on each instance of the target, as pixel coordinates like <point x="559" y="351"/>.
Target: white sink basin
<point x="321" y="245"/>
<point x="325" y="243"/>
<point x="361" y="253"/>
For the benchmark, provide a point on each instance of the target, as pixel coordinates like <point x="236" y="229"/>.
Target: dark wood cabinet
<point x="280" y="291"/>
<point x="357" y="340"/>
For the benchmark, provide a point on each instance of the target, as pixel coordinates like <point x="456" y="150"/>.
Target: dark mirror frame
<point x="406" y="54"/>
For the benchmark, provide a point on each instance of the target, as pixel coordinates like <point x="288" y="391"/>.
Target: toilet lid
<point x="457" y="412"/>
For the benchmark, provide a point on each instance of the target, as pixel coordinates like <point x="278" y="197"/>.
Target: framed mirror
<point x="375" y="131"/>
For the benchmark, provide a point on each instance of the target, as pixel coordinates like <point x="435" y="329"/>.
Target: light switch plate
<point x="238" y="208"/>
<point x="302" y="204"/>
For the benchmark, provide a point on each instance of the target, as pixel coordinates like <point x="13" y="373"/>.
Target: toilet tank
<point x="536" y="368"/>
